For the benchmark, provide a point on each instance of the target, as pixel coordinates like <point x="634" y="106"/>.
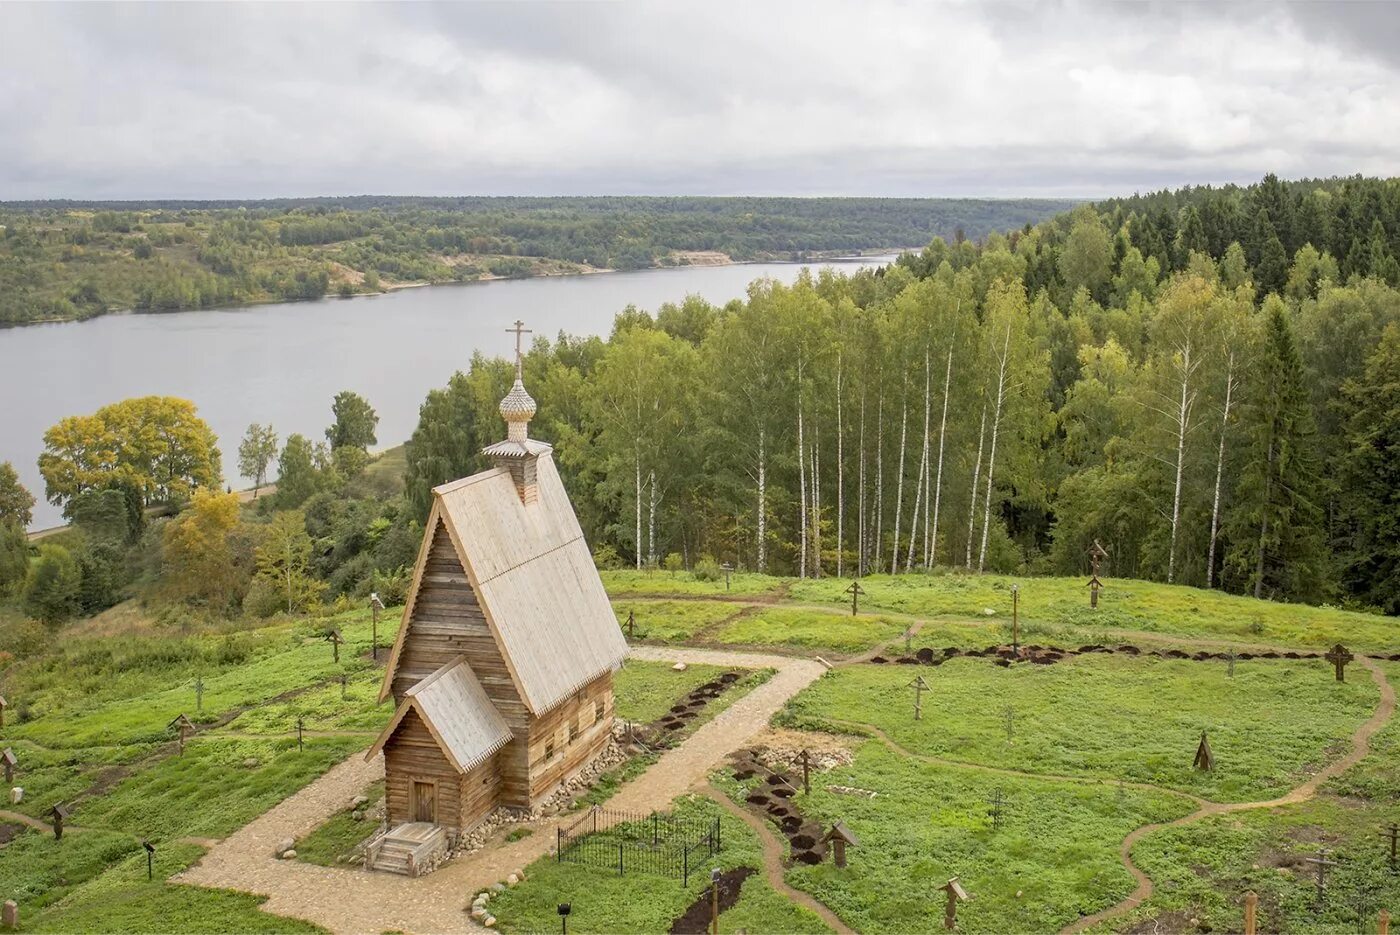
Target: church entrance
<point x="425" y="802"/>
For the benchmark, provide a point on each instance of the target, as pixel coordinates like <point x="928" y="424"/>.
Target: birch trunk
<point x="637" y="463"/>
<point x="976" y="472"/>
<point x="1183" y="423"/>
<point x="651" y="520"/>
<point x="801" y="481"/>
<point x="816" y="499"/>
<point x="860" y="490"/>
<point x="921" y="495"/>
<point x="762" y="500"/>
<point x="938" y="479"/>
<point x="840" y="475"/>
<point x="1220" y="471"/>
<point x="879" y="479"/>
<point x="899" y="485"/>
<point x="992" y="452"/>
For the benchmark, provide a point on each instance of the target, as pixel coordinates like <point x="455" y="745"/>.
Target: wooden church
<point x="502" y="672"/>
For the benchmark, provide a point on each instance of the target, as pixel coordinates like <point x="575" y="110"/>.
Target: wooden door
<point x="425" y="802"/>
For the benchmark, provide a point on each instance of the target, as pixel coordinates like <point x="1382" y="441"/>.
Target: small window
<point x="573" y="731"/>
<point x="598" y="709"/>
<point x="549" y="750"/>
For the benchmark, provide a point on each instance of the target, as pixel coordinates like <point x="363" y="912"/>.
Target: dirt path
<point x="345" y="900"/>
<point x="773" y="861"/>
<point x="1360" y="746"/>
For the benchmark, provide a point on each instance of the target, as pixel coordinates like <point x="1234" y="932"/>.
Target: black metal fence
<point x="634" y="842"/>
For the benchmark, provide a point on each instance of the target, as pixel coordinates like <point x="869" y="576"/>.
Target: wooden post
<point x="1393" y="832"/>
<point x="1251" y="909"/>
<point x="375" y="606"/>
<point x="7" y="758"/>
<point x="1383" y="923"/>
<point x="1016" y="619"/>
<point x="727" y="569"/>
<point x="950" y="910"/>
<point x="3" y="705"/>
<point x="806" y="760"/>
<point x="299" y="729"/>
<point x="344" y="686"/>
<point x="714" y="901"/>
<point x="631" y="623"/>
<point x="9" y="915"/>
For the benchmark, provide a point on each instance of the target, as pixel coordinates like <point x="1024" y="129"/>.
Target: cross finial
<point x="519" y="331"/>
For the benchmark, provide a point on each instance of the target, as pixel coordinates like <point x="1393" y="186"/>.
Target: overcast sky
<point x="870" y="98"/>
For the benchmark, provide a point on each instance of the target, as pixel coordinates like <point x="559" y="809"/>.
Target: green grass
<point x="209" y="792"/>
<point x="673" y="621"/>
<point x="121" y="900"/>
<point x="1062" y="605"/>
<point x="1116" y="717"/>
<point x="1058" y="847"/>
<point x="644" y="691"/>
<point x="810" y="629"/>
<point x="338" y="837"/>
<point x="36" y="870"/>
<point x="323" y="709"/>
<point x="627" y="583"/>
<point x="603" y="901"/>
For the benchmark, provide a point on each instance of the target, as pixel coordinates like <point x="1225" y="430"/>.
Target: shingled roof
<point x="454" y="707"/>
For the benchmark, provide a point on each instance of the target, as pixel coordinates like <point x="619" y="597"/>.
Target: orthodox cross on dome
<point x="519" y="331"/>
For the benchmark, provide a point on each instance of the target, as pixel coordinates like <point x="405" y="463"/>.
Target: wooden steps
<point x="407" y="849"/>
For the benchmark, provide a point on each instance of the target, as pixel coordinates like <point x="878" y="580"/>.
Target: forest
<point x="63" y="260"/>
<point x="1205" y="383"/>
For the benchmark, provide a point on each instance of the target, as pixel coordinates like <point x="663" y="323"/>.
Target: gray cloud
<point x="891" y="98"/>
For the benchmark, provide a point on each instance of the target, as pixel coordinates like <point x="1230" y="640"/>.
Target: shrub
<point x="707" y="569"/>
<point x="605" y="558"/>
<point x="51" y="592"/>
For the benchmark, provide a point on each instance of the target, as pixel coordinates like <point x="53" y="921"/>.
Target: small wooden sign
<point x="1205" y="760"/>
<point x="956" y="894"/>
<point x="839" y="837"/>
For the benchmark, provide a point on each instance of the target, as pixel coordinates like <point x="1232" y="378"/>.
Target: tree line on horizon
<point x="992" y="406"/>
<point x="69" y="260"/>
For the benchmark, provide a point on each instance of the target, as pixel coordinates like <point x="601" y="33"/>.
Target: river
<point x="283" y="363"/>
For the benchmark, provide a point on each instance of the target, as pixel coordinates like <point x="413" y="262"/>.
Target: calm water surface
<point x="283" y="363"/>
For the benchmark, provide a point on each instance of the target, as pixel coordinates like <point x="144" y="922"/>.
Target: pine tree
<point x="1370" y="473"/>
<point x="1275" y="523"/>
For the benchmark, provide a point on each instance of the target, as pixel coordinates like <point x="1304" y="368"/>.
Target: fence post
<point x="717" y="841"/>
<point x="654" y="828"/>
<point x="558" y="844"/>
<point x="595" y="819"/>
<point x="619" y="858"/>
<point x="685" y="872"/>
<point x="1251" y="903"/>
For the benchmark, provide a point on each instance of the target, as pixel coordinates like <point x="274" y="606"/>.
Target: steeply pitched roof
<point x="534" y="577"/>
<point x="454" y="707"/>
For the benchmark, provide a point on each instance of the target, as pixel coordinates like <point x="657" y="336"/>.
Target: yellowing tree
<point x="284" y="559"/>
<point x="155" y="446"/>
<point x="199" y="559"/>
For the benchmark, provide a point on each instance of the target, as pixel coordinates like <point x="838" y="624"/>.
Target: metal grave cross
<point x="919" y="686"/>
<point x="1016" y="619"/>
<point x="1322" y="864"/>
<point x="1230" y="657"/>
<point x="631" y="622"/>
<point x="998" y="809"/>
<point x="855" y="590"/>
<point x="519" y="331"/>
<point x="1339" y="656"/>
<point x="199" y="693"/>
<point x="300" y="727"/>
<point x="335" y="639"/>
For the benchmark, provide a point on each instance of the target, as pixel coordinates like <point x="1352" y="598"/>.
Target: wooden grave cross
<point x="1095" y="585"/>
<point x="908" y="639"/>
<point x="1230" y="658"/>
<point x="3" y="705"/>
<point x="199" y="693"/>
<point x="1393" y="832"/>
<point x="7" y="758"/>
<point x="344" y="686"/>
<point x="805" y="759"/>
<point x="58" y="813"/>
<point x="919" y="686"/>
<point x="1096" y="554"/>
<point x="1251" y="912"/>
<point x="838" y="837"/>
<point x="1205" y="760"/>
<point x="1339" y="656"/>
<point x="335" y="639"/>
<point x="1322" y="864"/>
<point x="727" y="569"/>
<point x="1008" y="714"/>
<point x="950" y="911"/>
<point x="299" y="730"/>
<point x="855" y="590"/>
<point x="184" y="727"/>
<point x="631" y="623"/>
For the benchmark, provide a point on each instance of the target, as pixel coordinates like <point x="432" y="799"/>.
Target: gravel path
<point x="355" y="901"/>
